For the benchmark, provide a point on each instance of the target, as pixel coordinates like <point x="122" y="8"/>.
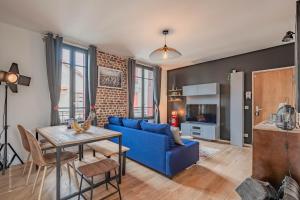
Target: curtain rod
<point x="68" y="41"/>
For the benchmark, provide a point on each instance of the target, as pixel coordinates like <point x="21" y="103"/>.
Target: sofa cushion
<point x="160" y="129"/>
<point x="115" y="120"/>
<point x="176" y="135"/>
<point x="132" y="123"/>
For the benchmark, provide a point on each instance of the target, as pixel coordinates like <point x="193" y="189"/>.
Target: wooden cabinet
<point x="274" y="150"/>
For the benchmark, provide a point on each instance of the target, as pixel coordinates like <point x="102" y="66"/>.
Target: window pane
<point x="138" y="92"/>
<point x="138" y="98"/>
<point x="79" y="93"/>
<point x="64" y="102"/>
<point x="148" y="74"/>
<point x="137" y="112"/>
<point x="138" y="72"/>
<point x="143" y="89"/>
<point x="66" y="58"/>
<point x="64" y="114"/>
<point x="148" y="112"/>
<point x="73" y="64"/>
<point x="80" y="114"/>
<point x="79" y="58"/>
<point x="148" y="93"/>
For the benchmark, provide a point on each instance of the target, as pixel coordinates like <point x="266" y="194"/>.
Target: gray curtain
<point x="297" y="54"/>
<point x="157" y="86"/>
<point x="92" y="80"/>
<point x="131" y="85"/>
<point x="53" y="63"/>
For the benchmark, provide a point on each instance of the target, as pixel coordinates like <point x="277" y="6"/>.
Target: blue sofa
<point x="152" y="150"/>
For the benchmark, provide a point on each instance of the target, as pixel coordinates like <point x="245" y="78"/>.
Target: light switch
<point x="248" y="95"/>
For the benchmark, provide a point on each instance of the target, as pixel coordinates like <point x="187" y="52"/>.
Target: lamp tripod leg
<point x="6" y="144"/>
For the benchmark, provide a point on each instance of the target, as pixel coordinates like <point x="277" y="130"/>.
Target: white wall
<point x="31" y="105"/>
<point x="163" y="98"/>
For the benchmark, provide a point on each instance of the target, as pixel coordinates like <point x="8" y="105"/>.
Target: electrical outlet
<point x="246" y="135"/>
<point x="246" y="107"/>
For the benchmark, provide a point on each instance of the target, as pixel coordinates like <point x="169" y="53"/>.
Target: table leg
<point x="79" y="152"/>
<point x="58" y="171"/>
<point x="124" y="164"/>
<point x="120" y="159"/>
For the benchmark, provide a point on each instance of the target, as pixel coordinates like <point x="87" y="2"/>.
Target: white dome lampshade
<point x="165" y="52"/>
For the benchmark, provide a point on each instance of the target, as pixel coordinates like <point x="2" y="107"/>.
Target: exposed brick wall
<point x="110" y="101"/>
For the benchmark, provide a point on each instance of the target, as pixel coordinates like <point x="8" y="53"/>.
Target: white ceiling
<point x="201" y="30"/>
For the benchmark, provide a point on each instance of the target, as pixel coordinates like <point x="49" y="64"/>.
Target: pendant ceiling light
<point x="165" y="52"/>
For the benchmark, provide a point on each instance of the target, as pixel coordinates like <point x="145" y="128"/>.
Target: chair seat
<point x="43" y="141"/>
<point x="46" y="145"/>
<point x="66" y="156"/>
<point x="98" y="168"/>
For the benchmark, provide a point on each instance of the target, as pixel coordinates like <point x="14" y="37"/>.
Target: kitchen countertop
<point x="267" y="126"/>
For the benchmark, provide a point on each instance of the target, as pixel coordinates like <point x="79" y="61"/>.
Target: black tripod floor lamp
<point x="11" y="79"/>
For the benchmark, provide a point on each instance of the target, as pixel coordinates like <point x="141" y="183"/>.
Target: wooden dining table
<point x="61" y="137"/>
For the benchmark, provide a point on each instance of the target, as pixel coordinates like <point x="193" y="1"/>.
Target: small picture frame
<point x="109" y="78"/>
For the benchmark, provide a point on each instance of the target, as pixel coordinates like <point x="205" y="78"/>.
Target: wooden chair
<point x="47" y="160"/>
<point x="99" y="168"/>
<point x="44" y="146"/>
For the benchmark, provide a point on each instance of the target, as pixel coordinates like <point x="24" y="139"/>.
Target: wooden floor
<point x="213" y="178"/>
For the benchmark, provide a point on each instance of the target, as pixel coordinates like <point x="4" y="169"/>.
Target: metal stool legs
<point x="107" y="181"/>
<point x="80" y="186"/>
<point x="92" y="185"/>
<point x="119" y="191"/>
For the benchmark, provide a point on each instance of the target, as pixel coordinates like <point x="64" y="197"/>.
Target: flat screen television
<point x="201" y="113"/>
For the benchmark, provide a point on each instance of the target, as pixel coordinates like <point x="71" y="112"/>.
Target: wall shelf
<point x="175" y="95"/>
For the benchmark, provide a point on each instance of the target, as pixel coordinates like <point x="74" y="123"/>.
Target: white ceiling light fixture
<point x="165" y="52"/>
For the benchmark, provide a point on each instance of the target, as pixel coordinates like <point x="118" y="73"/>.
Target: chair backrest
<point x="35" y="149"/>
<point x="24" y="139"/>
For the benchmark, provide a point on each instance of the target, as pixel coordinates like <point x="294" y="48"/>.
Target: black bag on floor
<point x="289" y="189"/>
<point x="252" y="189"/>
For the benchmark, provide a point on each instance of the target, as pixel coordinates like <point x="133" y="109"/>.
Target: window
<point x="72" y="94"/>
<point x="143" y="93"/>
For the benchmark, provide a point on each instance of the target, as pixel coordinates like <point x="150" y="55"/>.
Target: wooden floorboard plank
<point x="213" y="178"/>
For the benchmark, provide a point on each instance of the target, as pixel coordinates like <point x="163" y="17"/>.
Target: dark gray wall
<point x="218" y="71"/>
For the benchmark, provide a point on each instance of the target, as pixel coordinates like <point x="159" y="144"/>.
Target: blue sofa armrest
<point x="181" y="157"/>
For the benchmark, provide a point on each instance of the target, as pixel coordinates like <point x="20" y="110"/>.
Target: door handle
<point x="257" y="110"/>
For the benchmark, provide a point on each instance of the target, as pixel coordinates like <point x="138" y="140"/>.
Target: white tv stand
<point x="201" y="130"/>
<point x="208" y="93"/>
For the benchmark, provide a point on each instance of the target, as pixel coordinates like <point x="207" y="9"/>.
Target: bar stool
<point x="99" y="168"/>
